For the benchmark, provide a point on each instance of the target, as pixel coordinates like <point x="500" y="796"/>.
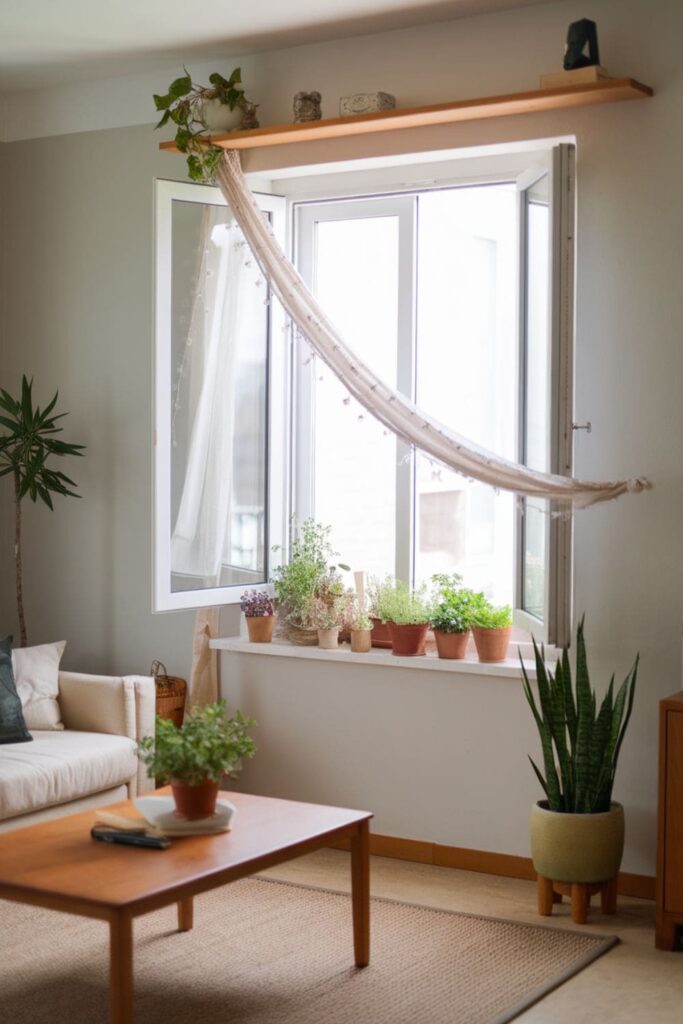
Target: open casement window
<point x="429" y="287"/>
<point x="546" y="218"/>
<point x="220" y="424"/>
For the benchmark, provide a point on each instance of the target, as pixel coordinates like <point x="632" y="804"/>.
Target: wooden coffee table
<point x="58" y="866"/>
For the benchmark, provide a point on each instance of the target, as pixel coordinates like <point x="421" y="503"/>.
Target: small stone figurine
<point x="249" y="118"/>
<point x="580" y="34"/>
<point x="307" y="107"/>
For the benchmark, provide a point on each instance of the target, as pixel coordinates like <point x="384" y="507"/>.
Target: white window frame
<point x="559" y="164"/>
<point x="277" y="471"/>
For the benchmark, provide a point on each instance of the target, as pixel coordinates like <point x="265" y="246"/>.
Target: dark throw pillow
<point x="12" y="726"/>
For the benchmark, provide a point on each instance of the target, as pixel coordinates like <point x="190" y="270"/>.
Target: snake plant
<point x="580" y="747"/>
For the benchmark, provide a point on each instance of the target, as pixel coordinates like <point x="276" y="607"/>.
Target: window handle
<point x="583" y="426"/>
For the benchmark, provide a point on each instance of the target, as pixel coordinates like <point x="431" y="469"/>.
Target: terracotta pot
<point x="328" y="639"/>
<point x="492" y="644"/>
<point x="408" y="641"/>
<point x="194" y="802"/>
<point x="260" y="628"/>
<point x="451" y="645"/>
<point x="577" y="847"/>
<point x="381" y="637"/>
<point x="361" y="640"/>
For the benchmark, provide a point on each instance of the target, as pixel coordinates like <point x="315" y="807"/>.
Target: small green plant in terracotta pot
<point x="194" y="757"/>
<point x="379" y="591"/>
<point x="491" y="628"/>
<point x="407" y="611"/>
<point x="451" y="616"/>
<point x="577" y="832"/>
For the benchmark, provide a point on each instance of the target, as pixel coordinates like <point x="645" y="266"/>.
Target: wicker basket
<point x="302" y="637"/>
<point x="171" y="692"/>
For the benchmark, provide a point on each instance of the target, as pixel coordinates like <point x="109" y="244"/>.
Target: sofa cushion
<point x="36" y="672"/>
<point x="12" y="726"/>
<point x="62" y="766"/>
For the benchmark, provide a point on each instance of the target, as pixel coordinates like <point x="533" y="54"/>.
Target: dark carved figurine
<point x="580" y="34"/>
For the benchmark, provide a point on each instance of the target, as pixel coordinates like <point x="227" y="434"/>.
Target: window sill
<point x="378" y="657"/>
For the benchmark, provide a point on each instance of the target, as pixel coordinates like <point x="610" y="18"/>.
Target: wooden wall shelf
<point x="610" y="90"/>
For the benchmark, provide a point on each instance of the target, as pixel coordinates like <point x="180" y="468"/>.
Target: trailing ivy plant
<point x="580" y="744"/>
<point x="183" y="104"/>
<point x="208" y="745"/>
<point x="26" y="446"/>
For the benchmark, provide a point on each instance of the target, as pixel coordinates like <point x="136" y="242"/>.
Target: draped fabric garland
<point x="394" y="410"/>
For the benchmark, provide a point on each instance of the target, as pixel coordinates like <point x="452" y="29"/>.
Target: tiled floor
<point x="632" y="984"/>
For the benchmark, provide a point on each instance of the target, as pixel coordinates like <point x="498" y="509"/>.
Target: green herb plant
<point x="488" y="616"/>
<point x="183" y="104"/>
<point x="453" y="608"/>
<point x="308" y="573"/>
<point x="208" y="745"/>
<point x="580" y="743"/>
<point x="404" y="606"/>
<point x="26" y="446"/>
<point x="379" y="593"/>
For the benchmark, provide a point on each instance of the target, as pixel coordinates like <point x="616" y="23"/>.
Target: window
<point x="219" y="458"/>
<point x="459" y="296"/>
<point x="457" y="292"/>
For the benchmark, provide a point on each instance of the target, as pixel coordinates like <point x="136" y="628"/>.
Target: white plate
<point x="159" y="812"/>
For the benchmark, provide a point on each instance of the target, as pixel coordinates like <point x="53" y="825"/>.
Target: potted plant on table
<point x="451" y="616"/>
<point x="491" y="628"/>
<point x="407" y="612"/>
<point x="194" y="757"/>
<point x="577" y="832"/>
<point x="258" y="610"/>
<point x="197" y="110"/>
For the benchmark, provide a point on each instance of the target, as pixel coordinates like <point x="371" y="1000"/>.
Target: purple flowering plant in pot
<point x="259" y="612"/>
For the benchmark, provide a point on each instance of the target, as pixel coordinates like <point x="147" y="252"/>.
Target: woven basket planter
<point x="171" y="693"/>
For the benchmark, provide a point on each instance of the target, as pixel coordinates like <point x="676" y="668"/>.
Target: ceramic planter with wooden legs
<point x="577" y="855"/>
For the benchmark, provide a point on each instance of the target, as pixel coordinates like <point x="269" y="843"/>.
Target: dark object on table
<point x="307" y="107"/>
<point x="113" y="835"/>
<point x="579" y="35"/>
<point x="171" y="693"/>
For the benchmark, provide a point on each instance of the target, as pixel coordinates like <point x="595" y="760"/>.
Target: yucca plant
<point x="25" y="448"/>
<point x="580" y="748"/>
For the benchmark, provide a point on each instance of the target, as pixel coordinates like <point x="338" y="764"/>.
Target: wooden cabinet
<point x="670" y="823"/>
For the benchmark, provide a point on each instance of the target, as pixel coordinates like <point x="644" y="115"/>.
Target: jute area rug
<point x="265" y="952"/>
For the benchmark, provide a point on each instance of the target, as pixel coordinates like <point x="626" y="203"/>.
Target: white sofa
<point x="90" y="762"/>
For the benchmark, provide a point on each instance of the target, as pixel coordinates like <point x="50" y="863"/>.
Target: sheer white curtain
<point x="391" y="408"/>
<point x="221" y="318"/>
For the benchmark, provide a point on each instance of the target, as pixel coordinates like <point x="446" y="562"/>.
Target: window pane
<point x="356" y="280"/>
<point x="537" y="401"/>
<point x="220" y="329"/>
<point x="466" y="378"/>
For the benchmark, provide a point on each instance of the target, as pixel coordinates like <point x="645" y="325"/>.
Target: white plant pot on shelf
<point x="218" y="117"/>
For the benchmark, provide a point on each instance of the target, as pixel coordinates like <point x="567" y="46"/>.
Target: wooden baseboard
<point x="505" y="864"/>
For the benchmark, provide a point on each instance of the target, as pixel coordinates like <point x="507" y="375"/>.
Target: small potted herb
<point x="359" y="625"/>
<point x="491" y="628"/>
<point x="452" y="616"/>
<point x="198" y="110"/>
<point x="260" y="615"/>
<point x="196" y="756"/>
<point x="326" y="617"/>
<point x="379" y="591"/>
<point x="407" y="611"/>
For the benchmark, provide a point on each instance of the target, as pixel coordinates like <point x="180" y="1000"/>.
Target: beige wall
<point x="76" y="312"/>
